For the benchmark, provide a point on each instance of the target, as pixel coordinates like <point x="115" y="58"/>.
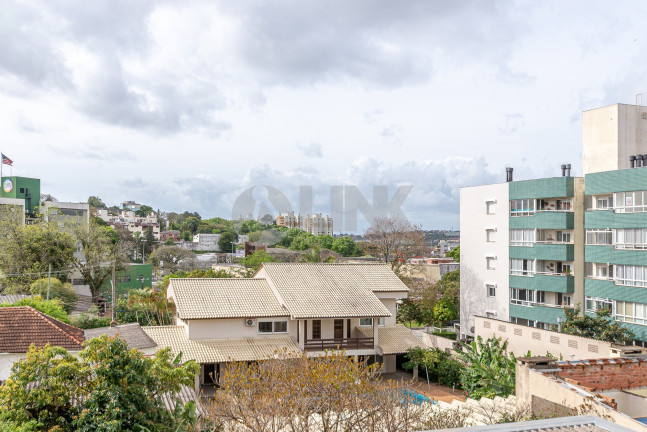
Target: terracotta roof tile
<point x="23" y="326"/>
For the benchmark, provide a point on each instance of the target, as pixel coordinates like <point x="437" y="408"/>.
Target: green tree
<point x="171" y="256"/>
<point x="26" y="252"/>
<point x="53" y="308"/>
<point x="101" y="251"/>
<point x="326" y="241"/>
<point x="489" y="371"/>
<point x="95" y="201"/>
<point x="408" y="312"/>
<point x="455" y="253"/>
<point x="144" y="211"/>
<point x="345" y="246"/>
<point x="186" y="235"/>
<point x="449" y="287"/>
<point x="444" y="311"/>
<point x="57" y="290"/>
<point x="600" y="327"/>
<point x="107" y="388"/>
<point x="226" y="239"/>
<point x="248" y="226"/>
<point x="255" y="260"/>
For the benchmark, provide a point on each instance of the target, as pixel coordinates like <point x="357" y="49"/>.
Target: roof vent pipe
<point x="563" y="170"/>
<point x="645" y="160"/>
<point x="639" y="161"/>
<point x="508" y="174"/>
<point x="632" y="161"/>
<point x="568" y="170"/>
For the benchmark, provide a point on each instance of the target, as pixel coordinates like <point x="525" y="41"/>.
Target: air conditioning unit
<point x="250" y="322"/>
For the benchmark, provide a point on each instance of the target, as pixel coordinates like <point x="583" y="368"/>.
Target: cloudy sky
<point x="184" y="105"/>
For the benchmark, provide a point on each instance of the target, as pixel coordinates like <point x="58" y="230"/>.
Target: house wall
<point x="609" y="374"/>
<point x="435" y="341"/>
<point x="522" y="339"/>
<point x="231" y="328"/>
<point x="628" y="403"/>
<point x="389" y="364"/>
<point x="6" y="361"/>
<point x="475" y="249"/>
<point x="388" y="299"/>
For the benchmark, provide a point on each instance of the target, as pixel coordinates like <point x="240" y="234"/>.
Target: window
<point x="630" y="238"/>
<point x="566" y="268"/>
<point x="491" y="290"/>
<point x="490" y="234"/>
<point x="521" y="296"/>
<point x="631" y="312"/>
<point x="598" y="237"/>
<point x="490" y="207"/>
<point x="522" y="267"/>
<point x="368" y="322"/>
<point x="523" y="207"/>
<point x="601" y="271"/>
<point x="563" y="300"/>
<point x="602" y="203"/>
<point x="316" y="329"/>
<point x="563" y="237"/>
<point x="630" y="275"/>
<point x="272" y="326"/>
<point x="595" y="303"/>
<point x="522" y="237"/>
<point x="564" y="205"/>
<point x="630" y="202"/>
<point x="540" y="297"/>
<point x="490" y="262"/>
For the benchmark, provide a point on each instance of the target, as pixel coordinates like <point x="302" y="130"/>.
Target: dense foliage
<point x="57" y="290"/>
<point x="436" y="365"/>
<point x="255" y="260"/>
<point x="53" y="307"/>
<point x="107" y="388"/>
<point x="600" y="327"/>
<point x="489" y="370"/>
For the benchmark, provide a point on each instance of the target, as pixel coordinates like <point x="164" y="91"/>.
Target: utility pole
<point x="49" y="279"/>
<point x="114" y="294"/>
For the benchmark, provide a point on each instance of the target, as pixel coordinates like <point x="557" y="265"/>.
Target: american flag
<point x="6" y="160"/>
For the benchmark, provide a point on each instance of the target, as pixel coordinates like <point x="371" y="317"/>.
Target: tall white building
<point x="316" y="224"/>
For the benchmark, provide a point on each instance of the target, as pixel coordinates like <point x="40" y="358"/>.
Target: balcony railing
<point x="339" y="343"/>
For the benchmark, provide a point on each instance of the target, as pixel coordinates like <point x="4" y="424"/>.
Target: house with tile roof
<point x="23" y="326"/>
<point x="287" y="308"/>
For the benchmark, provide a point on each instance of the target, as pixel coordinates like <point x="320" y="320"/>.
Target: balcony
<point x="563" y="220"/>
<point x="538" y="312"/>
<point x="601" y="219"/>
<point x="609" y="254"/>
<point x="552" y="251"/>
<point x="551" y="282"/>
<point x="339" y="344"/>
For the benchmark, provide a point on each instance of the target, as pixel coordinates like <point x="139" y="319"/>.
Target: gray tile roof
<point x="393" y="339"/>
<point x="224" y="298"/>
<point x="132" y="334"/>
<point x="221" y="350"/>
<point x="332" y="290"/>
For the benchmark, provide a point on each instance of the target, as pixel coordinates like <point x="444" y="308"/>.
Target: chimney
<point x="639" y="161"/>
<point x="568" y="170"/>
<point x="508" y="174"/>
<point x="563" y="170"/>
<point x="632" y="161"/>
<point x="645" y="160"/>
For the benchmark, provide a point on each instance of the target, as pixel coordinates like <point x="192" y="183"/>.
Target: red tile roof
<point x="23" y="326"/>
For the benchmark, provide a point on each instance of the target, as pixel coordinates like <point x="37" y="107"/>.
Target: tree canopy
<point x="95" y="201"/>
<point x="394" y="240"/>
<point x="600" y="327"/>
<point x="107" y="388"/>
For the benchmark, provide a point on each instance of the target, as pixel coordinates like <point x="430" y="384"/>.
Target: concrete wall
<point x="610" y="135"/>
<point x="389" y="364"/>
<point x="428" y="272"/>
<point x="434" y="341"/>
<point x="6" y="361"/>
<point x="579" y="239"/>
<point x="522" y="339"/>
<point x="536" y="390"/>
<point x="475" y="249"/>
<point x="628" y="403"/>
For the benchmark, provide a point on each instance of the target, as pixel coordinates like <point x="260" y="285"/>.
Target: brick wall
<point x="604" y="374"/>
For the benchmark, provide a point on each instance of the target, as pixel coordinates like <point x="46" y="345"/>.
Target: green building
<point x="544" y="229"/>
<point x="134" y="276"/>
<point x="22" y="188"/>
<point x="616" y="246"/>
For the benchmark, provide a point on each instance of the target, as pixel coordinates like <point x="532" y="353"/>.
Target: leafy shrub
<point x="53" y="307"/>
<point x="57" y="290"/>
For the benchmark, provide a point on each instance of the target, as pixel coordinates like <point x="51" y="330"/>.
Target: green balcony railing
<point x="544" y="220"/>
<point x="537" y="312"/>
<point x="564" y="284"/>
<point x="544" y="251"/>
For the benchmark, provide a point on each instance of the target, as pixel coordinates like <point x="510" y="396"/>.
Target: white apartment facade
<point x="484" y="260"/>
<point x="316" y="224"/>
